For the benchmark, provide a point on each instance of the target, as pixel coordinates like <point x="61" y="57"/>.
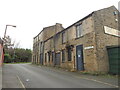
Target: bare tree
<point x="16" y="44"/>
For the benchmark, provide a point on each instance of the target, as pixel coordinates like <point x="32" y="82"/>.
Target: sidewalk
<point x="106" y="79"/>
<point x="0" y="78"/>
<point x="10" y="78"/>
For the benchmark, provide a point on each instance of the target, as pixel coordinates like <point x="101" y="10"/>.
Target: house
<point x="90" y="44"/>
<point x="38" y="42"/>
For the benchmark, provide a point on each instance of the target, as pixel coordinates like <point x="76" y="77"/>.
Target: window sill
<point x="78" y="37"/>
<point x="63" y="42"/>
<point x="70" y="61"/>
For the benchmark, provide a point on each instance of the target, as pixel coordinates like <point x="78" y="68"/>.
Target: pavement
<point x="32" y="76"/>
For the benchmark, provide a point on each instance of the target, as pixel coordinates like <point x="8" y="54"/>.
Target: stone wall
<point x="105" y="17"/>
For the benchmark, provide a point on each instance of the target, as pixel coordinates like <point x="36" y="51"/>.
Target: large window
<point x="63" y="55"/>
<point x="63" y="37"/>
<point x="78" y="31"/>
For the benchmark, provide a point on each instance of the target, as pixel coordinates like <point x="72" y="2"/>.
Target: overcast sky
<point x="31" y="16"/>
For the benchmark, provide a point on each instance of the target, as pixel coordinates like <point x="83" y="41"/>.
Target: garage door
<point x="114" y="59"/>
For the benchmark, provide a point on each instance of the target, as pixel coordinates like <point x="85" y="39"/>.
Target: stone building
<point x="86" y="45"/>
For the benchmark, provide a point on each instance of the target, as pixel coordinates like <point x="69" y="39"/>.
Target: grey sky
<point x="31" y="16"/>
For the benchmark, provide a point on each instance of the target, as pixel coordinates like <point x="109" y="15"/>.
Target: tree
<point x="18" y="55"/>
<point x="7" y="58"/>
<point x="15" y="54"/>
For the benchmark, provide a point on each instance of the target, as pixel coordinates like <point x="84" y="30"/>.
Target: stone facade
<point x="56" y="46"/>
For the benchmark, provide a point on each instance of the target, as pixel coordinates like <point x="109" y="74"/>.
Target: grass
<point x="18" y="63"/>
<point x="99" y="74"/>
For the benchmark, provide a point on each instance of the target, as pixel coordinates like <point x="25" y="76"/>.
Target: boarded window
<point x="78" y="31"/>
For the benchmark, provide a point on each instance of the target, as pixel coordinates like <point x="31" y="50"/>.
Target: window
<point x="78" y="31"/>
<point x="52" y="56"/>
<point x="115" y="12"/>
<point x="63" y="55"/>
<point x="49" y="56"/>
<point x="69" y="54"/>
<point x="63" y="37"/>
<point x="41" y="47"/>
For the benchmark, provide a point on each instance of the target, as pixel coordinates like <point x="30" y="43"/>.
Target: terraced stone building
<point x="90" y="44"/>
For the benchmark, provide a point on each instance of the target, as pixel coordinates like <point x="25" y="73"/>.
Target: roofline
<point x="80" y="20"/>
<point x="74" y="23"/>
<point x="42" y="30"/>
<point x="68" y="26"/>
<point x="45" y="28"/>
<point x="71" y="25"/>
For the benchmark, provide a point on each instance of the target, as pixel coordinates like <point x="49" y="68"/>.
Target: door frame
<point x="108" y="48"/>
<point x="82" y="58"/>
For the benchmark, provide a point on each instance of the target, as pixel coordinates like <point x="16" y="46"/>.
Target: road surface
<point x="32" y="76"/>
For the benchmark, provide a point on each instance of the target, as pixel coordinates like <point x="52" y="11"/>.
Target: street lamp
<point x="7" y="39"/>
<point x="6" y="29"/>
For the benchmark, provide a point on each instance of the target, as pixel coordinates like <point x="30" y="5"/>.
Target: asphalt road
<point x="32" y="76"/>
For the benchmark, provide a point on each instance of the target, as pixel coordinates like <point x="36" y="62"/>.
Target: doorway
<point x="79" y="57"/>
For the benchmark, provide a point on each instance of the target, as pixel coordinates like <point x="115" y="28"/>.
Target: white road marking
<point x="21" y="82"/>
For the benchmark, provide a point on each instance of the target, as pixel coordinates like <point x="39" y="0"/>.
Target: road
<point x="32" y="76"/>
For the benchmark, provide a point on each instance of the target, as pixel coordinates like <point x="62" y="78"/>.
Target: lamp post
<point x="7" y="39"/>
<point x="6" y="29"/>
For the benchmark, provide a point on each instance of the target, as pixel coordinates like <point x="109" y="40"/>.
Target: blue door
<point x="79" y="58"/>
